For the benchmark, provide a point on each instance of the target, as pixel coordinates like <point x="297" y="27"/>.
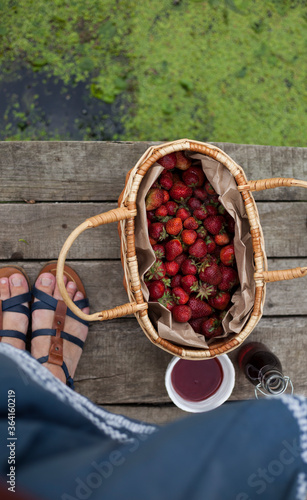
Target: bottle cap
<point x="216" y="399"/>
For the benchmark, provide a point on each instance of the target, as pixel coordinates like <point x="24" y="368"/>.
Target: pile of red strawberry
<point x="191" y="233"/>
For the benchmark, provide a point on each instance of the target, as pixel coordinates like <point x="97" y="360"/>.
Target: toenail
<point x="46" y="281"/>
<point x="3" y="281"/>
<point x="16" y="281"/>
<point x="71" y="284"/>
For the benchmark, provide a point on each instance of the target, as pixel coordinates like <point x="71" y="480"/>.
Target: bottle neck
<point x="273" y="382"/>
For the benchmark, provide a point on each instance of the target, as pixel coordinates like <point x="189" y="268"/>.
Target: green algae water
<point x="229" y="70"/>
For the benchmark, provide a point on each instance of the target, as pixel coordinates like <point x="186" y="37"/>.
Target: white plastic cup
<point x="218" y="398"/>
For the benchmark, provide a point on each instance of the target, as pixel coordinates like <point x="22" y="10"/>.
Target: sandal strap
<point x="52" y="333"/>
<point x="69" y="379"/>
<point x="15" y="334"/>
<point x="15" y="304"/>
<point x="50" y="303"/>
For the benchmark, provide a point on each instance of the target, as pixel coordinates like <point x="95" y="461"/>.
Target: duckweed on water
<point x="232" y="70"/>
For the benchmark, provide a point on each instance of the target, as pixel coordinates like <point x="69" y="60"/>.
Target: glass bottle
<point x="263" y="369"/>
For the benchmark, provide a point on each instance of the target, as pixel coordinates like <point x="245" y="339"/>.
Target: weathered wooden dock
<point x="48" y="188"/>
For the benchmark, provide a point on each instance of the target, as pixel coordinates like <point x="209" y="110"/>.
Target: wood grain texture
<point x="45" y="227"/>
<point x="72" y="181"/>
<point x="103" y="283"/>
<point x="120" y="366"/>
<point x="84" y="171"/>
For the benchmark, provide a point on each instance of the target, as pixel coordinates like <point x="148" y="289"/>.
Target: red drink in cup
<point x="199" y="385"/>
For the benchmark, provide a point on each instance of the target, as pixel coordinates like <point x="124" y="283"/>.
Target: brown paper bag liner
<point x="243" y="299"/>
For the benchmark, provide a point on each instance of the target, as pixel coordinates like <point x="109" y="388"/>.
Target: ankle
<point x="56" y="370"/>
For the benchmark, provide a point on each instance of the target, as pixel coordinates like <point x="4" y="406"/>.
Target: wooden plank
<point x="103" y="282"/>
<point x="158" y="415"/>
<point x="81" y="171"/>
<point x="45" y="227"/>
<point x="120" y="365"/>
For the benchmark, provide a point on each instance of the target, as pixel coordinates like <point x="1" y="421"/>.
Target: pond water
<point x="34" y="106"/>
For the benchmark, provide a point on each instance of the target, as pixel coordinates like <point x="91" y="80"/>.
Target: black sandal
<point x="45" y="301"/>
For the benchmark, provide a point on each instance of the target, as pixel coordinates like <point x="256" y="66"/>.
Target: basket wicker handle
<point x="112" y="216"/>
<point x="261" y="185"/>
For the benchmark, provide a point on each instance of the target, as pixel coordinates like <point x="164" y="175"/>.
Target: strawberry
<point x="165" y="196"/>
<point x="173" y="248"/>
<point x="194" y="203"/>
<point x="156" y="289"/>
<point x="182" y="257"/>
<point x="205" y="291"/>
<point x="200" y="193"/>
<point x="214" y="200"/>
<point x="166" y="180"/>
<point x="159" y="251"/>
<point x="183" y="213"/>
<point x="212" y="327"/>
<point x="151" y="215"/>
<point x="155" y="184"/>
<point x="154" y="199"/>
<point x="210" y="244"/>
<point x="213" y="223"/>
<point x="188" y="267"/>
<point x="189" y="283"/>
<point x="167" y="300"/>
<point x="211" y="274"/>
<point x="174" y="226"/>
<point x="183" y="162"/>
<point x="157" y="231"/>
<point x="200" y="213"/>
<point x="200" y="174"/>
<point x="230" y="278"/>
<point x="168" y="161"/>
<point x="222" y="238"/>
<point x="211" y="209"/>
<point x="198" y="249"/>
<point x="202" y="233"/>
<point x="171" y="268"/>
<point x="176" y="281"/>
<point x="161" y="211"/>
<point x="188" y="236"/>
<point x="171" y="207"/>
<point x="182" y="314"/>
<point x="190" y="223"/>
<point x="220" y="301"/>
<point x="152" y="241"/>
<point x="180" y="191"/>
<point x="190" y="178"/>
<point x="180" y="296"/>
<point x="210" y="190"/>
<point x="227" y="255"/>
<point x="199" y="307"/>
<point x="156" y="272"/>
<point x="196" y="323"/>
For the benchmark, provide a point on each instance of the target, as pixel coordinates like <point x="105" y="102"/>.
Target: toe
<point x="71" y="288"/>
<point x="18" y="284"/>
<point x="46" y="283"/>
<point x="4" y="289"/>
<point x="80" y="296"/>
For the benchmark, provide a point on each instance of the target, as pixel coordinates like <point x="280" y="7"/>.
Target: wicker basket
<point x="126" y="214"/>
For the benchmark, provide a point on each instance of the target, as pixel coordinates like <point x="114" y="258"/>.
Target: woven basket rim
<point x="129" y="195"/>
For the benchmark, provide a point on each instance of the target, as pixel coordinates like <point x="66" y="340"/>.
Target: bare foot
<point x="16" y="284"/>
<point x="42" y="318"/>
